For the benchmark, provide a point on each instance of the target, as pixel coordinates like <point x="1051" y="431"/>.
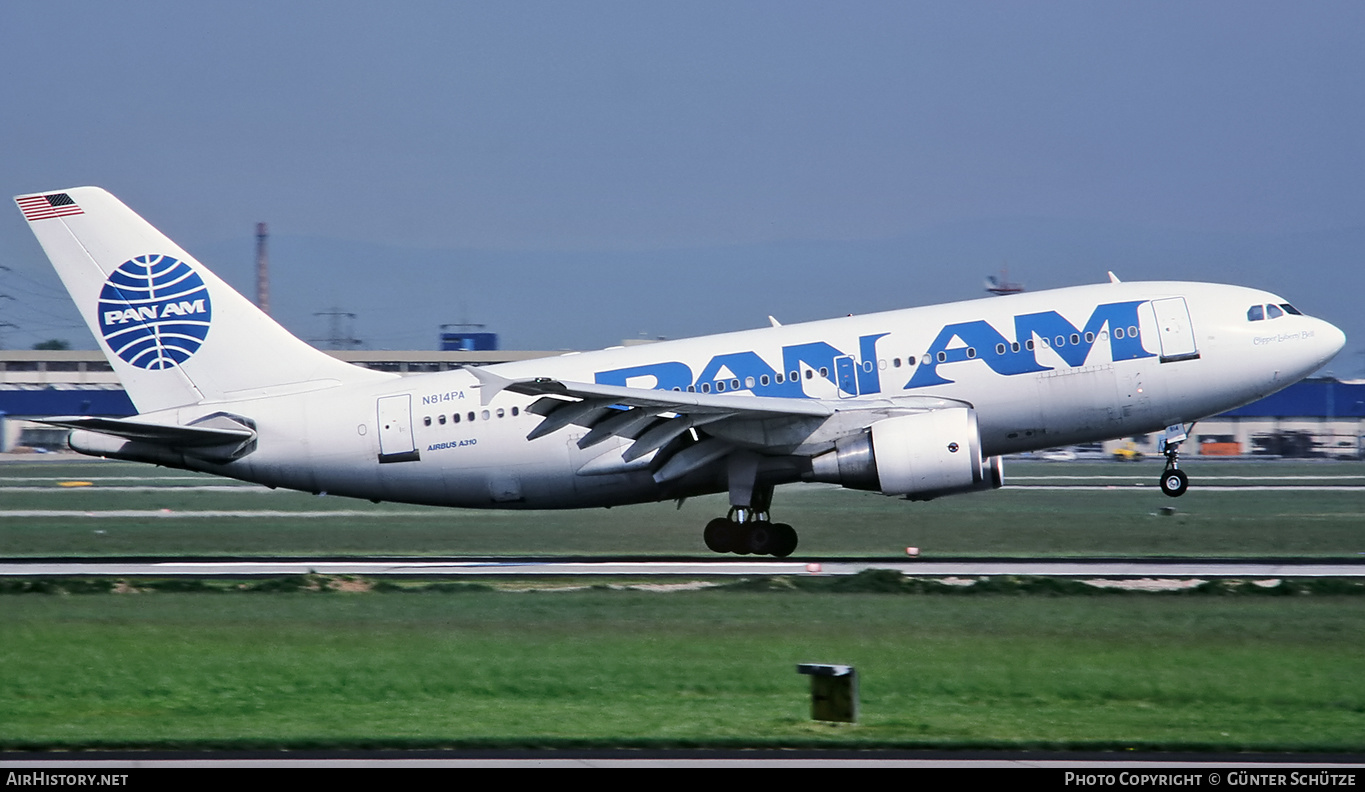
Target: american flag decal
<point x="42" y="207"/>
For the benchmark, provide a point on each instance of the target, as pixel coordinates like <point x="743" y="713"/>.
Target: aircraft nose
<point x="1330" y="341"/>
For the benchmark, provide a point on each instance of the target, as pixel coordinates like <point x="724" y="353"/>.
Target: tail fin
<point x="173" y="331"/>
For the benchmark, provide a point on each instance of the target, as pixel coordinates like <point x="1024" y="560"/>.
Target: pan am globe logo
<point x="154" y="312"/>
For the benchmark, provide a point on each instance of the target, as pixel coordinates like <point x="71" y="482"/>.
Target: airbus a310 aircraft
<point x="915" y="403"/>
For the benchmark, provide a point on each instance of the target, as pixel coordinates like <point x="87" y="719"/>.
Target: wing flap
<point x="653" y="419"/>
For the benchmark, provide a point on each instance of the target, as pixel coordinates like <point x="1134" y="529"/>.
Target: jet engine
<point x="919" y="456"/>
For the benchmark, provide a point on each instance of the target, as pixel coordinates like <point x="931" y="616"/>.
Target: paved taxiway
<point x="577" y="567"/>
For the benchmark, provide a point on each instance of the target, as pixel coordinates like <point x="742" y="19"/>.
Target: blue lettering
<point x="667" y="375"/>
<point x="1050" y="325"/>
<point x="745" y="366"/>
<point x="869" y="377"/>
<point x="978" y="340"/>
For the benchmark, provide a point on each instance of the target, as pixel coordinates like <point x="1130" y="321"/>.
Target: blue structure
<point x="469" y="342"/>
<point x="39" y="402"/>
<point x="1314" y="398"/>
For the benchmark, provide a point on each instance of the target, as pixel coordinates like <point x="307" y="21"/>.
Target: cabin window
<point x="1059" y="341"/>
<point x="1118" y="332"/>
<point x="706" y="387"/>
<point x="515" y="412"/>
<point x="943" y="357"/>
<point x="780" y="379"/>
<point x="1132" y="331"/>
<point x="691" y="388"/>
<point x="426" y="421"/>
<point x="471" y="416"/>
<point x="484" y="415"/>
<point x="441" y="419"/>
<point x="895" y="362"/>
<point x="720" y="386"/>
<point x="867" y="366"/>
<point x="1014" y="346"/>
<point x="763" y="380"/>
<point x="734" y="384"/>
<point x="1089" y="338"/>
<point x="824" y="372"/>
<point x="971" y="352"/>
<point x="1075" y="339"/>
<point x="455" y="418"/>
<point x="810" y="373"/>
<point x="1029" y="344"/>
<point x="927" y="360"/>
<point x="999" y="349"/>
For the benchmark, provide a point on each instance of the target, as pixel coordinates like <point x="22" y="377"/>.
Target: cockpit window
<point x="1291" y="309"/>
<point x="1273" y="312"/>
<point x="1255" y="313"/>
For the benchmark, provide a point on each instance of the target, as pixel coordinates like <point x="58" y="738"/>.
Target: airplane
<point x="916" y="403"/>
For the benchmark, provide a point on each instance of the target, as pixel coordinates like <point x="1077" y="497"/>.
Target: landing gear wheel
<point x="719" y="535"/>
<point x="1174" y="482"/>
<point x="760" y="538"/>
<point x="786" y="540"/>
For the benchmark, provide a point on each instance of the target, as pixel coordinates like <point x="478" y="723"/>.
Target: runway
<point x="571" y="567"/>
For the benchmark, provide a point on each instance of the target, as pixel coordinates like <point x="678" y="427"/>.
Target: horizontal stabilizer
<point x="157" y="434"/>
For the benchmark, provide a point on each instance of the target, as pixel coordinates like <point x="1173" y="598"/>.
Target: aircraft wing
<point x="654" y="418"/>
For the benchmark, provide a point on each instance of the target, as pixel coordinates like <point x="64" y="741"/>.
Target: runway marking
<point x="1139" y="574"/>
<point x="147" y="488"/>
<point x="172" y="513"/>
<point x="1193" y="487"/>
<point x="1201" y="477"/>
<point x="123" y="478"/>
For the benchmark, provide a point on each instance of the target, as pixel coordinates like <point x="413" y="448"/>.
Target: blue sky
<point x="547" y="167"/>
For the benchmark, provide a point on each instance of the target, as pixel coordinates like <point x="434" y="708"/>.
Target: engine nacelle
<point x="920" y="456"/>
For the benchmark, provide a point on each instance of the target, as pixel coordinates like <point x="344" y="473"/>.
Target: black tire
<point x="1174" y="483"/>
<point x="759" y="537"/>
<point x="786" y="540"/>
<point x="719" y="535"/>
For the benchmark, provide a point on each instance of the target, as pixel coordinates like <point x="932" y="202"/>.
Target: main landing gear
<point x="747" y="529"/>
<point x="1174" y="482"/>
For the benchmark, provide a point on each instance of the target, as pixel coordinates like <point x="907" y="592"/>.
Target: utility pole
<point x="262" y="270"/>
<point x="340" y="329"/>
<point x="4" y="325"/>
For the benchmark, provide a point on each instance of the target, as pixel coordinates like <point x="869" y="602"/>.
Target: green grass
<point x="831" y="522"/>
<point x="620" y="668"/>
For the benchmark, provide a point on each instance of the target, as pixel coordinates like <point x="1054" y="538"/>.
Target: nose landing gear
<point x="1174" y="482"/>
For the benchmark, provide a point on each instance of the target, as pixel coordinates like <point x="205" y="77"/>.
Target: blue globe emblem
<point x="154" y="312"/>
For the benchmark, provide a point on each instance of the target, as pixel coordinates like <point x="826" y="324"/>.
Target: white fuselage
<point x="1041" y="369"/>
